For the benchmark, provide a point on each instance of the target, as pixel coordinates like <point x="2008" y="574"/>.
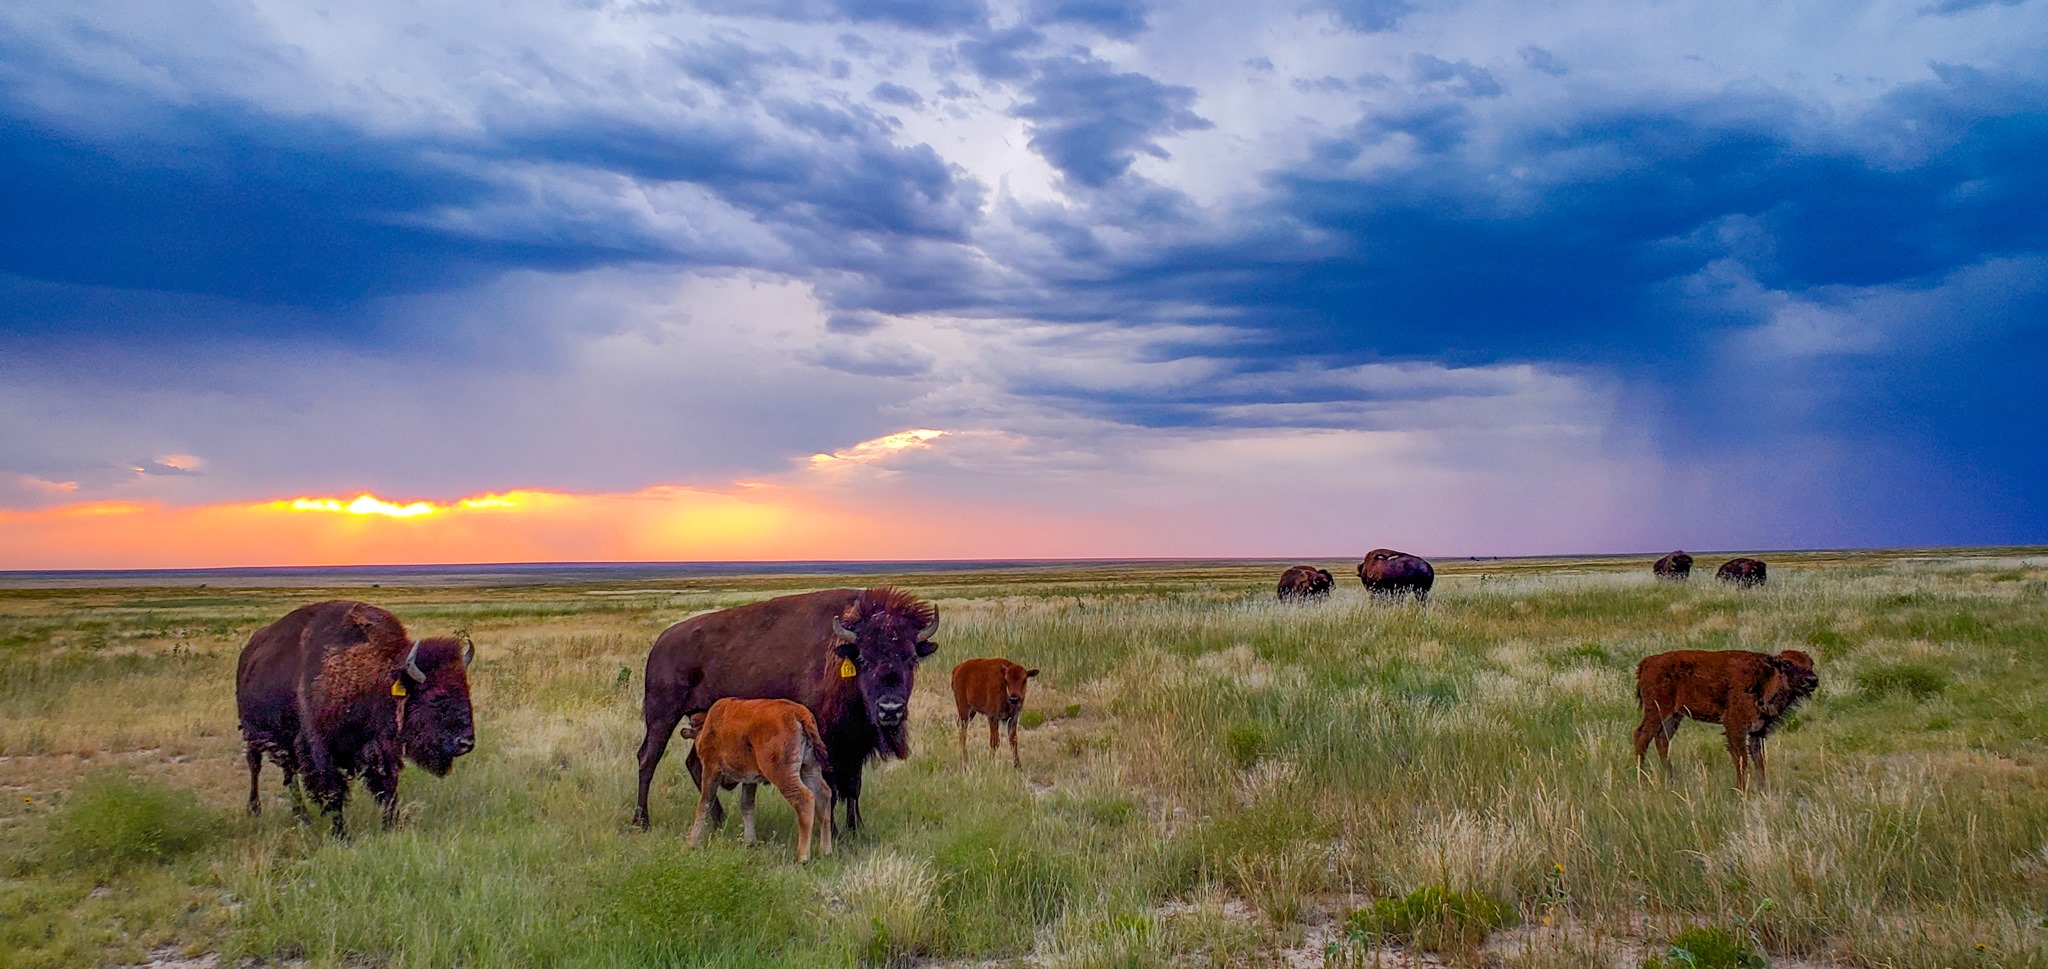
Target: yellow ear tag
<point x="846" y="669"/>
<point x="397" y="688"/>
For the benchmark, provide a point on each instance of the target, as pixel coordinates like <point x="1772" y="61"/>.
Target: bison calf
<point x="1747" y="693"/>
<point x="747" y="742"/>
<point x="995" y="689"/>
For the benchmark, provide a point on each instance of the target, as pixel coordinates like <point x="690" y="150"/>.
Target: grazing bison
<point x="1676" y="567"/>
<point x="995" y="689"/>
<point x="1305" y="582"/>
<point x="1747" y="693"/>
<point x="1390" y="574"/>
<point x="848" y="655"/>
<point x="336" y="689"/>
<point x="748" y="742"/>
<point x="1747" y="573"/>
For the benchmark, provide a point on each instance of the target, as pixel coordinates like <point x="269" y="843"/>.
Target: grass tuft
<point x="1432" y="919"/>
<point x="113" y="821"/>
<point x="1709" y="948"/>
<point x="1914" y="680"/>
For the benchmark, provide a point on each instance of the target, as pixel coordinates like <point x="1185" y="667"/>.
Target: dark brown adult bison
<point x="1747" y="573"/>
<point x="1747" y="693"/>
<point x="336" y="689"/>
<point x="1390" y="574"/>
<point x="1305" y="582"/>
<point x="849" y="655"/>
<point x="1676" y="567"/>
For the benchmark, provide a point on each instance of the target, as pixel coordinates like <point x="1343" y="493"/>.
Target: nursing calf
<point x="1747" y="693"/>
<point x="995" y="689"/>
<point x="748" y="742"/>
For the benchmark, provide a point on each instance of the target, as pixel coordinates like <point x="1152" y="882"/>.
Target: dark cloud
<point x="1122" y="19"/>
<point x="1091" y="121"/>
<point x="1000" y="55"/>
<point x="937" y="16"/>
<point x="1371" y="16"/>
<point x="1946" y="7"/>
<point x="1459" y="78"/>
<point x="1539" y="59"/>
<point x="889" y="92"/>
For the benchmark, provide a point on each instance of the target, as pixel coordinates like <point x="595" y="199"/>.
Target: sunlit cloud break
<point x="869" y="452"/>
<point x="367" y="504"/>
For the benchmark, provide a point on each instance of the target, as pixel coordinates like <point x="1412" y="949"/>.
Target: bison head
<point x="884" y="634"/>
<point x="436" y="727"/>
<point x="1016" y="680"/>
<point x="1792" y="680"/>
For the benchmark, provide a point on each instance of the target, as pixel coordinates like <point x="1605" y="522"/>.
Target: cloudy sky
<point x="710" y="279"/>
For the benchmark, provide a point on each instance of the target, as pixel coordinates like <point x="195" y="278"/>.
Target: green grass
<point x="1208" y="778"/>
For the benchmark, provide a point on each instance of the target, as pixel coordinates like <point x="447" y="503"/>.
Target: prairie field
<point x="1210" y="778"/>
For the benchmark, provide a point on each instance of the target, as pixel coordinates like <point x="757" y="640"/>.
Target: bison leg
<point x="290" y="765"/>
<point x="747" y="812"/>
<point x="255" y="758"/>
<point x="821" y="806"/>
<point x="963" y="736"/>
<point x="1756" y="754"/>
<point x="1738" y="751"/>
<point x="995" y="727"/>
<point x="660" y="726"/>
<point x="707" y="799"/>
<point x="1665" y="732"/>
<point x="846" y="784"/>
<point x="1016" y="760"/>
<point x="695" y="765"/>
<point x="325" y="782"/>
<point x="382" y="780"/>
<point x="805" y="803"/>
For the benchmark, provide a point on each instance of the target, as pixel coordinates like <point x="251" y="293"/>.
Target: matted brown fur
<point x="751" y="742"/>
<point x="1305" y="582"/>
<point x="314" y="693"/>
<point x="993" y="688"/>
<point x="1747" y="693"/>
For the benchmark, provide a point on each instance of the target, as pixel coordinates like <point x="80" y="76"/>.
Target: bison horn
<point x="412" y="665"/>
<point x="924" y="633"/>
<point x="845" y="635"/>
<point x="468" y="651"/>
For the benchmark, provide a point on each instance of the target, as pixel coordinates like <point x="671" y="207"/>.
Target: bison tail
<point x="815" y="742"/>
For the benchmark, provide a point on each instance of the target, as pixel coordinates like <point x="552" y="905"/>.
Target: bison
<point x="1305" y="582"/>
<point x="1747" y="573"/>
<point x="1390" y="574"/>
<point x="1676" y="567"/>
<point x="850" y="656"/>
<point x="336" y="689"/>
<point x="1747" y="693"/>
<point x="995" y="689"/>
<point x="747" y="742"/>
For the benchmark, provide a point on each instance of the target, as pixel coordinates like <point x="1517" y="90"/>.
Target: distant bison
<point x="1747" y="573"/>
<point x="1390" y="574"/>
<point x="1747" y="693"/>
<point x="1676" y="567"/>
<point x="995" y="689"/>
<point x="1305" y="582"/>
<point x="336" y="689"/>
<point x="751" y="742"/>
<point x="848" y="655"/>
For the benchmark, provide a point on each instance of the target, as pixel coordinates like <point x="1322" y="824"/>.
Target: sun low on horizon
<point x="849" y="280"/>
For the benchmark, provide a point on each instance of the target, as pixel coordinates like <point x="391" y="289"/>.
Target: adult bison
<point x="1676" y="567"/>
<point x="336" y="689"/>
<point x="849" y="655"/>
<point x="1747" y="693"/>
<point x="1747" y="573"/>
<point x="1390" y="574"/>
<point x="1305" y="582"/>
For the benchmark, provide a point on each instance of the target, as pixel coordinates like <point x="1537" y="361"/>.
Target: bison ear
<point x="926" y="647"/>
<point x="1030" y="673"/>
<point x="847" y="650"/>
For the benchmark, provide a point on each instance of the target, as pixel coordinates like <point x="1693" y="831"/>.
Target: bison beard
<point x="848" y="655"/>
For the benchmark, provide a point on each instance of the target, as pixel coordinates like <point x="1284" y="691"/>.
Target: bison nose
<point x="890" y="710"/>
<point x="464" y="745"/>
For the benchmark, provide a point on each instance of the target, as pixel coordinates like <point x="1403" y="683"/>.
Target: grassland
<point x="1210" y="778"/>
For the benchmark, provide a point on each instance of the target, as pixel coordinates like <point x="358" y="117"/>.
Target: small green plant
<point x="1432" y="919"/>
<point x="113" y="821"/>
<point x="1031" y="720"/>
<point x="1245" y="743"/>
<point x="1704" y="948"/>
<point x="1916" y="680"/>
<point x="1072" y="710"/>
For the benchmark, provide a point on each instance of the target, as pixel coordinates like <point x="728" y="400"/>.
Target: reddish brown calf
<point x="747" y="742"/>
<point x="1747" y="693"/>
<point x="995" y="689"/>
